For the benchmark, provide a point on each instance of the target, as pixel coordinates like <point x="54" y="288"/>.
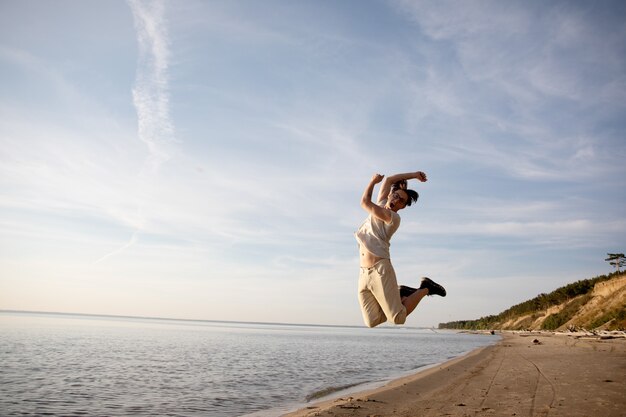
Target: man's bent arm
<point x="367" y="204"/>
<point x="389" y="181"/>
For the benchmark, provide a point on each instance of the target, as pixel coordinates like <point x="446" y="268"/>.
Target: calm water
<point x="61" y="365"/>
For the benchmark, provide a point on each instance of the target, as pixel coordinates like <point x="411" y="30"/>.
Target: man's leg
<point x="432" y="286"/>
<point x="414" y="299"/>
<point x="428" y="287"/>
<point x="373" y="314"/>
<point x="385" y="289"/>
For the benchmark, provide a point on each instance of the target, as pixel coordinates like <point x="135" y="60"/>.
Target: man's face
<point x="397" y="199"/>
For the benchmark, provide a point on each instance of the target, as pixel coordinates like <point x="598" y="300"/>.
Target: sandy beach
<point x="525" y="374"/>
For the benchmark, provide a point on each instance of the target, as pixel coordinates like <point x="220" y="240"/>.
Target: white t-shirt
<point x="375" y="234"/>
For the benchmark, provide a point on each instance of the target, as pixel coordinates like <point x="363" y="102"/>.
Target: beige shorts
<point x="379" y="296"/>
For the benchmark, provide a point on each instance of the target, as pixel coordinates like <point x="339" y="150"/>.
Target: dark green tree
<point x="616" y="259"/>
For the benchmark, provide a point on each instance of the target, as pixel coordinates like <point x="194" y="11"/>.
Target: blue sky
<point x="206" y="159"/>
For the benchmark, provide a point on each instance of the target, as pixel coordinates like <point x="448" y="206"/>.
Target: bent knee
<point x="374" y="322"/>
<point x="400" y="318"/>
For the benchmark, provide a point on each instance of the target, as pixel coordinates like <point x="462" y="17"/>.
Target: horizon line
<point x="119" y="316"/>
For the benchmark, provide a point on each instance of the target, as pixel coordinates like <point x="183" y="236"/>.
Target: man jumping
<point x="379" y="295"/>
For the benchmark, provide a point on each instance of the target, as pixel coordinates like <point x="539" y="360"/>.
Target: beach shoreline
<point x="525" y="373"/>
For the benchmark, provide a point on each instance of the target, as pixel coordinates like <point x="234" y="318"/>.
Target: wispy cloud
<point x="150" y="94"/>
<point x="151" y="91"/>
<point x="131" y="242"/>
<point x="521" y="82"/>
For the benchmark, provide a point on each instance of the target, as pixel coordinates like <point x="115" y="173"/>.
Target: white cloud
<point x="515" y="72"/>
<point x="150" y="95"/>
<point x="575" y="233"/>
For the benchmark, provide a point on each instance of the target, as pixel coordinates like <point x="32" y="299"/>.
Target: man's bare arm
<point x="367" y="204"/>
<point x="389" y="181"/>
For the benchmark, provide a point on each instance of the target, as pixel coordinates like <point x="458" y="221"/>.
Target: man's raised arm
<point x="389" y="181"/>
<point x="369" y="206"/>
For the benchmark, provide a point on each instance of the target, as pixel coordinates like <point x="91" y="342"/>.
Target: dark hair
<point x="412" y="195"/>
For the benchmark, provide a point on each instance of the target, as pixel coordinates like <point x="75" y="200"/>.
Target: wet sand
<point x="525" y="374"/>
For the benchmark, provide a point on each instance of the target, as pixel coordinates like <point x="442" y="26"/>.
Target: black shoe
<point x="406" y="291"/>
<point x="433" y="287"/>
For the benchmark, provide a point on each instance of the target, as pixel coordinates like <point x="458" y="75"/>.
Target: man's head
<point x="399" y="197"/>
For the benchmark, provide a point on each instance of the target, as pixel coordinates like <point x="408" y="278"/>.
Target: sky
<point x="206" y="160"/>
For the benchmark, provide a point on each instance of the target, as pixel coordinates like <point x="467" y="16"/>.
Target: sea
<point x="86" y="365"/>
